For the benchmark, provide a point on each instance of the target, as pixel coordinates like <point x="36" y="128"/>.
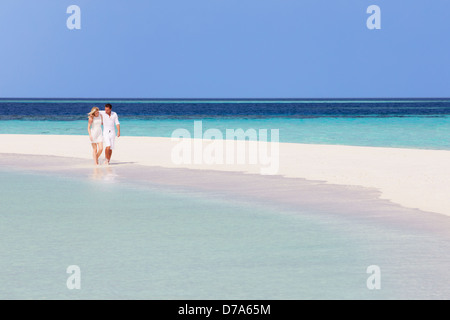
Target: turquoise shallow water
<point x="136" y="242"/>
<point x="409" y="132"/>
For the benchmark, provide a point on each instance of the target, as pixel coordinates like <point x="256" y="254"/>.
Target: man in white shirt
<point x="110" y="121"/>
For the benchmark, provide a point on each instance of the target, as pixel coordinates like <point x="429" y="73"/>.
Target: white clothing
<point x="109" y="128"/>
<point x="109" y="137"/>
<point x="110" y="122"/>
<point x="96" y="130"/>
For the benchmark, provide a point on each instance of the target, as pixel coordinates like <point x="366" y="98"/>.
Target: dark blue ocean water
<point x="70" y="109"/>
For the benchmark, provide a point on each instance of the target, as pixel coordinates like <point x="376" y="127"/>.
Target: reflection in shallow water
<point x="160" y="244"/>
<point x="105" y="173"/>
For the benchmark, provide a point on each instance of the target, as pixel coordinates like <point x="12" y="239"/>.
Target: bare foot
<point x="106" y="162"/>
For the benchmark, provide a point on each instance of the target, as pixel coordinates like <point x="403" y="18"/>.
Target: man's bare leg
<point x="108" y="154"/>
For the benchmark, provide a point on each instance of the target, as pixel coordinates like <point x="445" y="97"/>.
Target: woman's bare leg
<point x="94" y="152"/>
<point x="99" y="150"/>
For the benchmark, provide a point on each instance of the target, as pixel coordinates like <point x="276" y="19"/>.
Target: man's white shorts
<point x="109" y="136"/>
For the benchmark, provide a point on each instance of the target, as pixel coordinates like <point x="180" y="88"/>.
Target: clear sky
<point x="224" y="49"/>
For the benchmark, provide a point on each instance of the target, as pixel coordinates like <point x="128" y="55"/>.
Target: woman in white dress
<point x="95" y="132"/>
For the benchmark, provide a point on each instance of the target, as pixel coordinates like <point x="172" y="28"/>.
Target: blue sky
<point x="224" y="49"/>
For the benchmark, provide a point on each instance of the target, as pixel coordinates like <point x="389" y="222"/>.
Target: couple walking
<point x="109" y="120"/>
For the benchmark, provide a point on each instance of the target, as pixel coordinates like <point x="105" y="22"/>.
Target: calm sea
<point x="70" y="110"/>
<point x="412" y="123"/>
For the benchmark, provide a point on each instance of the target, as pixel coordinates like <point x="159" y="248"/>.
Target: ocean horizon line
<point x="225" y="100"/>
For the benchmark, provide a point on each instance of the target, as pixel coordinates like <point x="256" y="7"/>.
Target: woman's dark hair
<point x="108" y="106"/>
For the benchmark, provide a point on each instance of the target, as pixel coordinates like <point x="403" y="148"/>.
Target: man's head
<point x="108" y="108"/>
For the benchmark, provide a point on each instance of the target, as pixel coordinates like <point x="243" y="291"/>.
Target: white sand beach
<point x="413" y="178"/>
